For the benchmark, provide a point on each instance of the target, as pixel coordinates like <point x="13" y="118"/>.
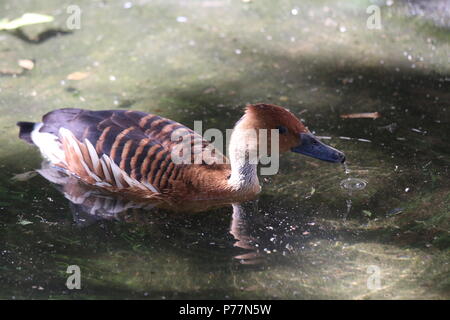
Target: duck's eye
<point x="282" y="129"/>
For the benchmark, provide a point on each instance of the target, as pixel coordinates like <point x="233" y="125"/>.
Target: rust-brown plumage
<point x="131" y="152"/>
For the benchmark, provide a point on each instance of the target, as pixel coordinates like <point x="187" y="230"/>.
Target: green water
<point x="307" y="236"/>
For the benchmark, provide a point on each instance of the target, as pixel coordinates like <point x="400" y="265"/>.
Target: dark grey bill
<point x="313" y="147"/>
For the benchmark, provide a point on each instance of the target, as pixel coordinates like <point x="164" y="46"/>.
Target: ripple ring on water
<point x="353" y="184"/>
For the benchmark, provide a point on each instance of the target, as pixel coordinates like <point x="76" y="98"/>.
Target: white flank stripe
<point x="132" y="182"/>
<point x="93" y="154"/>
<point x="103" y="184"/>
<point x="105" y="169"/>
<point x="116" y="173"/>
<point x="149" y="186"/>
<point x="71" y="139"/>
<point x="89" y="172"/>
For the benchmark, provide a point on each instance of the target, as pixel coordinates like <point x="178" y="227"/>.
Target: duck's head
<point x="293" y="135"/>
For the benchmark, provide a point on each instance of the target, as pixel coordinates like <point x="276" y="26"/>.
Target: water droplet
<point x="346" y="169"/>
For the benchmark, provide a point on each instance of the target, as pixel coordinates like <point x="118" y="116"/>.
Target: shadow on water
<point x="407" y="146"/>
<point x="410" y="98"/>
<point x="41" y="37"/>
<point x="284" y="221"/>
<point x="268" y="233"/>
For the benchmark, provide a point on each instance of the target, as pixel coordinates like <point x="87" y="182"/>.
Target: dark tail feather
<point x="25" y="131"/>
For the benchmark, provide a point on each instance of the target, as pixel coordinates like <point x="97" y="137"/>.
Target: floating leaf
<point x="370" y="115"/>
<point x="24" y="222"/>
<point x="26" y="64"/>
<point x="78" y="75"/>
<point x="367" y="213"/>
<point x="26" y="19"/>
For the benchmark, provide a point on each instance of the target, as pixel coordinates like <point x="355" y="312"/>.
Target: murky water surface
<point x="317" y="230"/>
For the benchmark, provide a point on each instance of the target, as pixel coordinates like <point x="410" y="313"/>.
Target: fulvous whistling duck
<point x="131" y="152"/>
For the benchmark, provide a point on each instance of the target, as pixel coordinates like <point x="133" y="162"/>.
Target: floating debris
<point x="209" y="90"/>
<point x="390" y="127"/>
<point x="418" y="131"/>
<point x="24" y="176"/>
<point x="357" y="139"/>
<point x="426" y="165"/>
<point x="395" y="211"/>
<point x="24" y="222"/>
<point x="26" y="64"/>
<point x="127" y="5"/>
<point x="347" y="80"/>
<point x="289" y="247"/>
<point x="24" y="20"/>
<point x="353" y="184"/>
<point x="77" y="75"/>
<point x="367" y="213"/>
<point x="311" y="193"/>
<point x="367" y="115"/>
<point x="182" y="19"/>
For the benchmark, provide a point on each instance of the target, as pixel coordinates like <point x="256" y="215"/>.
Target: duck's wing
<point x="118" y="148"/>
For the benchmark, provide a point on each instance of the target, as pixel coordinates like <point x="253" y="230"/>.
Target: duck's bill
<point x="311" y="146"/>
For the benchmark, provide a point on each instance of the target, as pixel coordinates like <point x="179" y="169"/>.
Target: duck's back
<point x="116" y="149"/>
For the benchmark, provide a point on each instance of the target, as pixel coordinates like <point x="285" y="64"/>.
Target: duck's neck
<point x="243" y="161"/>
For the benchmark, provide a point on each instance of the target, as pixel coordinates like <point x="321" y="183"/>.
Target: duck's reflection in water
<point x="239" y="230"/>
<point x="89" y="204"/>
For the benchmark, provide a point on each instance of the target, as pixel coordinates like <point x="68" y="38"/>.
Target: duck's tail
<point x="26" y="128"/>
<point x="48" y="143"/>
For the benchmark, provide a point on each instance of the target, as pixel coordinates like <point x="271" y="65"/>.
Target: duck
<point x="135" y="154"/>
